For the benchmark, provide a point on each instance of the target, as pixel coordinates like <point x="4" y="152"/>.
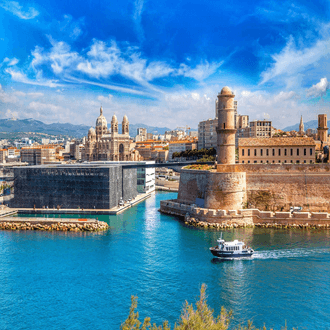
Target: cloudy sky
<point x="162" y="63"/>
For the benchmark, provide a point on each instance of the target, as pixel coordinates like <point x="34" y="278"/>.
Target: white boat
<point x="234" y="249"/>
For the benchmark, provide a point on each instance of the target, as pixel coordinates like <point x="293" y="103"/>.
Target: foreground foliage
<point x="198" y="318"/>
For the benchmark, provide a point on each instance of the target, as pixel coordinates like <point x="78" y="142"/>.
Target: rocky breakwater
<point x="213" y="225"/>
<point x="50" y="225"/>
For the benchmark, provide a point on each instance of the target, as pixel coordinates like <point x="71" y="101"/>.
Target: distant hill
<point x="309" y="124"/>
<point x="31" y="125"/>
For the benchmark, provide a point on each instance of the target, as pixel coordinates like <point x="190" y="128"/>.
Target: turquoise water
<point x="67" y="280"/>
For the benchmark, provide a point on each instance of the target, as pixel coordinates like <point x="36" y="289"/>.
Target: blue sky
<point x="162" y="63"/>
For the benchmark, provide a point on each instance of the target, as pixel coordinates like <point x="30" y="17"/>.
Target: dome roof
<point x="226" y="91"/>
<point x="125" y="118"/>
<point x="114" y="118"/>
<point x="91" y="131"/>
<point x="101" y="121"/>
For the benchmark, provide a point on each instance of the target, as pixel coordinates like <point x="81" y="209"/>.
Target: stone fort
<point x="264" y="186"/>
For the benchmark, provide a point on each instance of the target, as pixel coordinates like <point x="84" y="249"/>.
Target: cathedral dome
<point x="114" y="118"/>
<point x="226" y="91"/>
<point x="91" y="131"/>
<point x="101" y="121"/>
<point x="125" y="119"/>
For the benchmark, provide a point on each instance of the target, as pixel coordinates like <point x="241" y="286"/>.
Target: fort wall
<point x="211" y="189"/>
<point x="245" y="217"/>
<point x="267" y="187"/>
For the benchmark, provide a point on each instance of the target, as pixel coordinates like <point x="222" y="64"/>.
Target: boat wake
<point x="290" y="253"/>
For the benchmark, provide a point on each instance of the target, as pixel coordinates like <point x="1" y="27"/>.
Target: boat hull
<point x="231" y="254"/>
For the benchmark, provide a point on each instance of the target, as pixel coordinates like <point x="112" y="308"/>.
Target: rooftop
<point x="276" y="141"/>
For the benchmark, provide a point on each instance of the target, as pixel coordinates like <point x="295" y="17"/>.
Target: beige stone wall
<point x="268" y="187"/>
<point x="276" y="155"/>
<point x="218" y="190"/>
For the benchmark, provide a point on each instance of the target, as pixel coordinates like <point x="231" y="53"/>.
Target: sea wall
<point x="245" y="217"/>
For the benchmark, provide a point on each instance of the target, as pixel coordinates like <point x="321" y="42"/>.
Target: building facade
<point x="100" y="187"/>
<point x="180" y="146"/>
<point x="207" y="134"/>
<point x="38" y="155"/>
<point x="278" y="150"/>
<point x="261" y="128"/>
<point x="104" y="144"/>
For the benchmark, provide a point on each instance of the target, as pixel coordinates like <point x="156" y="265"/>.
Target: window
<point x="261" y="152"/>
<point x="291" y="161"/>
<point x="291" y="152"/>
<point x="285" y="161"/>
<point x="273" y="161"/>
<point x="279" y="152"/>
<point x="255" y="152"/>
<point x="279" y="161"/>
<point x="297" y="151"/>
<point x="255" y="162"/>
<point x="267" y="152"/>
<point x="267" y="161"/>
<point x="248" y="152"/>
<point x="242" y="152"/>
<point x="305" y="161"/>
<point x="297" y="161"/>
<point x="261" y="161"/>
<point x="273" y="152"/>
<point x="285" y="152"/>
<point x="224" y="125"/>
<point x="248" y="162"/>
<point x="242" y="161"/>
<point x="311" y="151"/>
<point x="311" y="161"/>
<point x="305" y="151"/>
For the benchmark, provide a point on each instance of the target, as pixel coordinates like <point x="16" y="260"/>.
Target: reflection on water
<point x="82" y="280"/>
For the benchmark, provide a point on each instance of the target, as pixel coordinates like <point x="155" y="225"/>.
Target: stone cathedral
<point x="104" y="144"/>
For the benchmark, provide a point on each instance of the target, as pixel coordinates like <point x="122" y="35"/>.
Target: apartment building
<point x="261" y="128"/>
<point x="179" y="146"/>
<point x="207" y="134"/>
<point x="38" y="155"/>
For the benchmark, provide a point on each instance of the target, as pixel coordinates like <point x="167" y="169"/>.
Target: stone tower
<point x="114" y="125"/>
<point x="301" y="127"/>
<point x="125" y="125"/>
<point x="101" y="125"/>
<point x="322" y="129"/>
<point x="226" y="127"/>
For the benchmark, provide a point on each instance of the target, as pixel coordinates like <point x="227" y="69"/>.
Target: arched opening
<point x="121" y="152"/>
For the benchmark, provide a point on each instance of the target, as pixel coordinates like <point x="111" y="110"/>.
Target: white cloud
<point x="137" y="18"/>
<point x="9" y="62"/>
<point x="105" y="100"/>
<point x="297" y="61"/>
<point x="59" y="57"/>
<point x="40" y="81"/>
<point x="11" y="114"/>
<point x="13" y="62"/>
<point x="7" y="97"/>
<point x="200" y="72"/>
<point x="319" y="89"/>
<point x="15" y="8"/>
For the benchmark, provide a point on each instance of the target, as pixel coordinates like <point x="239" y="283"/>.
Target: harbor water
<point x="68" y="280"/>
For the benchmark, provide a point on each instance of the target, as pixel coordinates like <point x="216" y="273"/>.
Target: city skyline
<point x="163" y="63"/>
